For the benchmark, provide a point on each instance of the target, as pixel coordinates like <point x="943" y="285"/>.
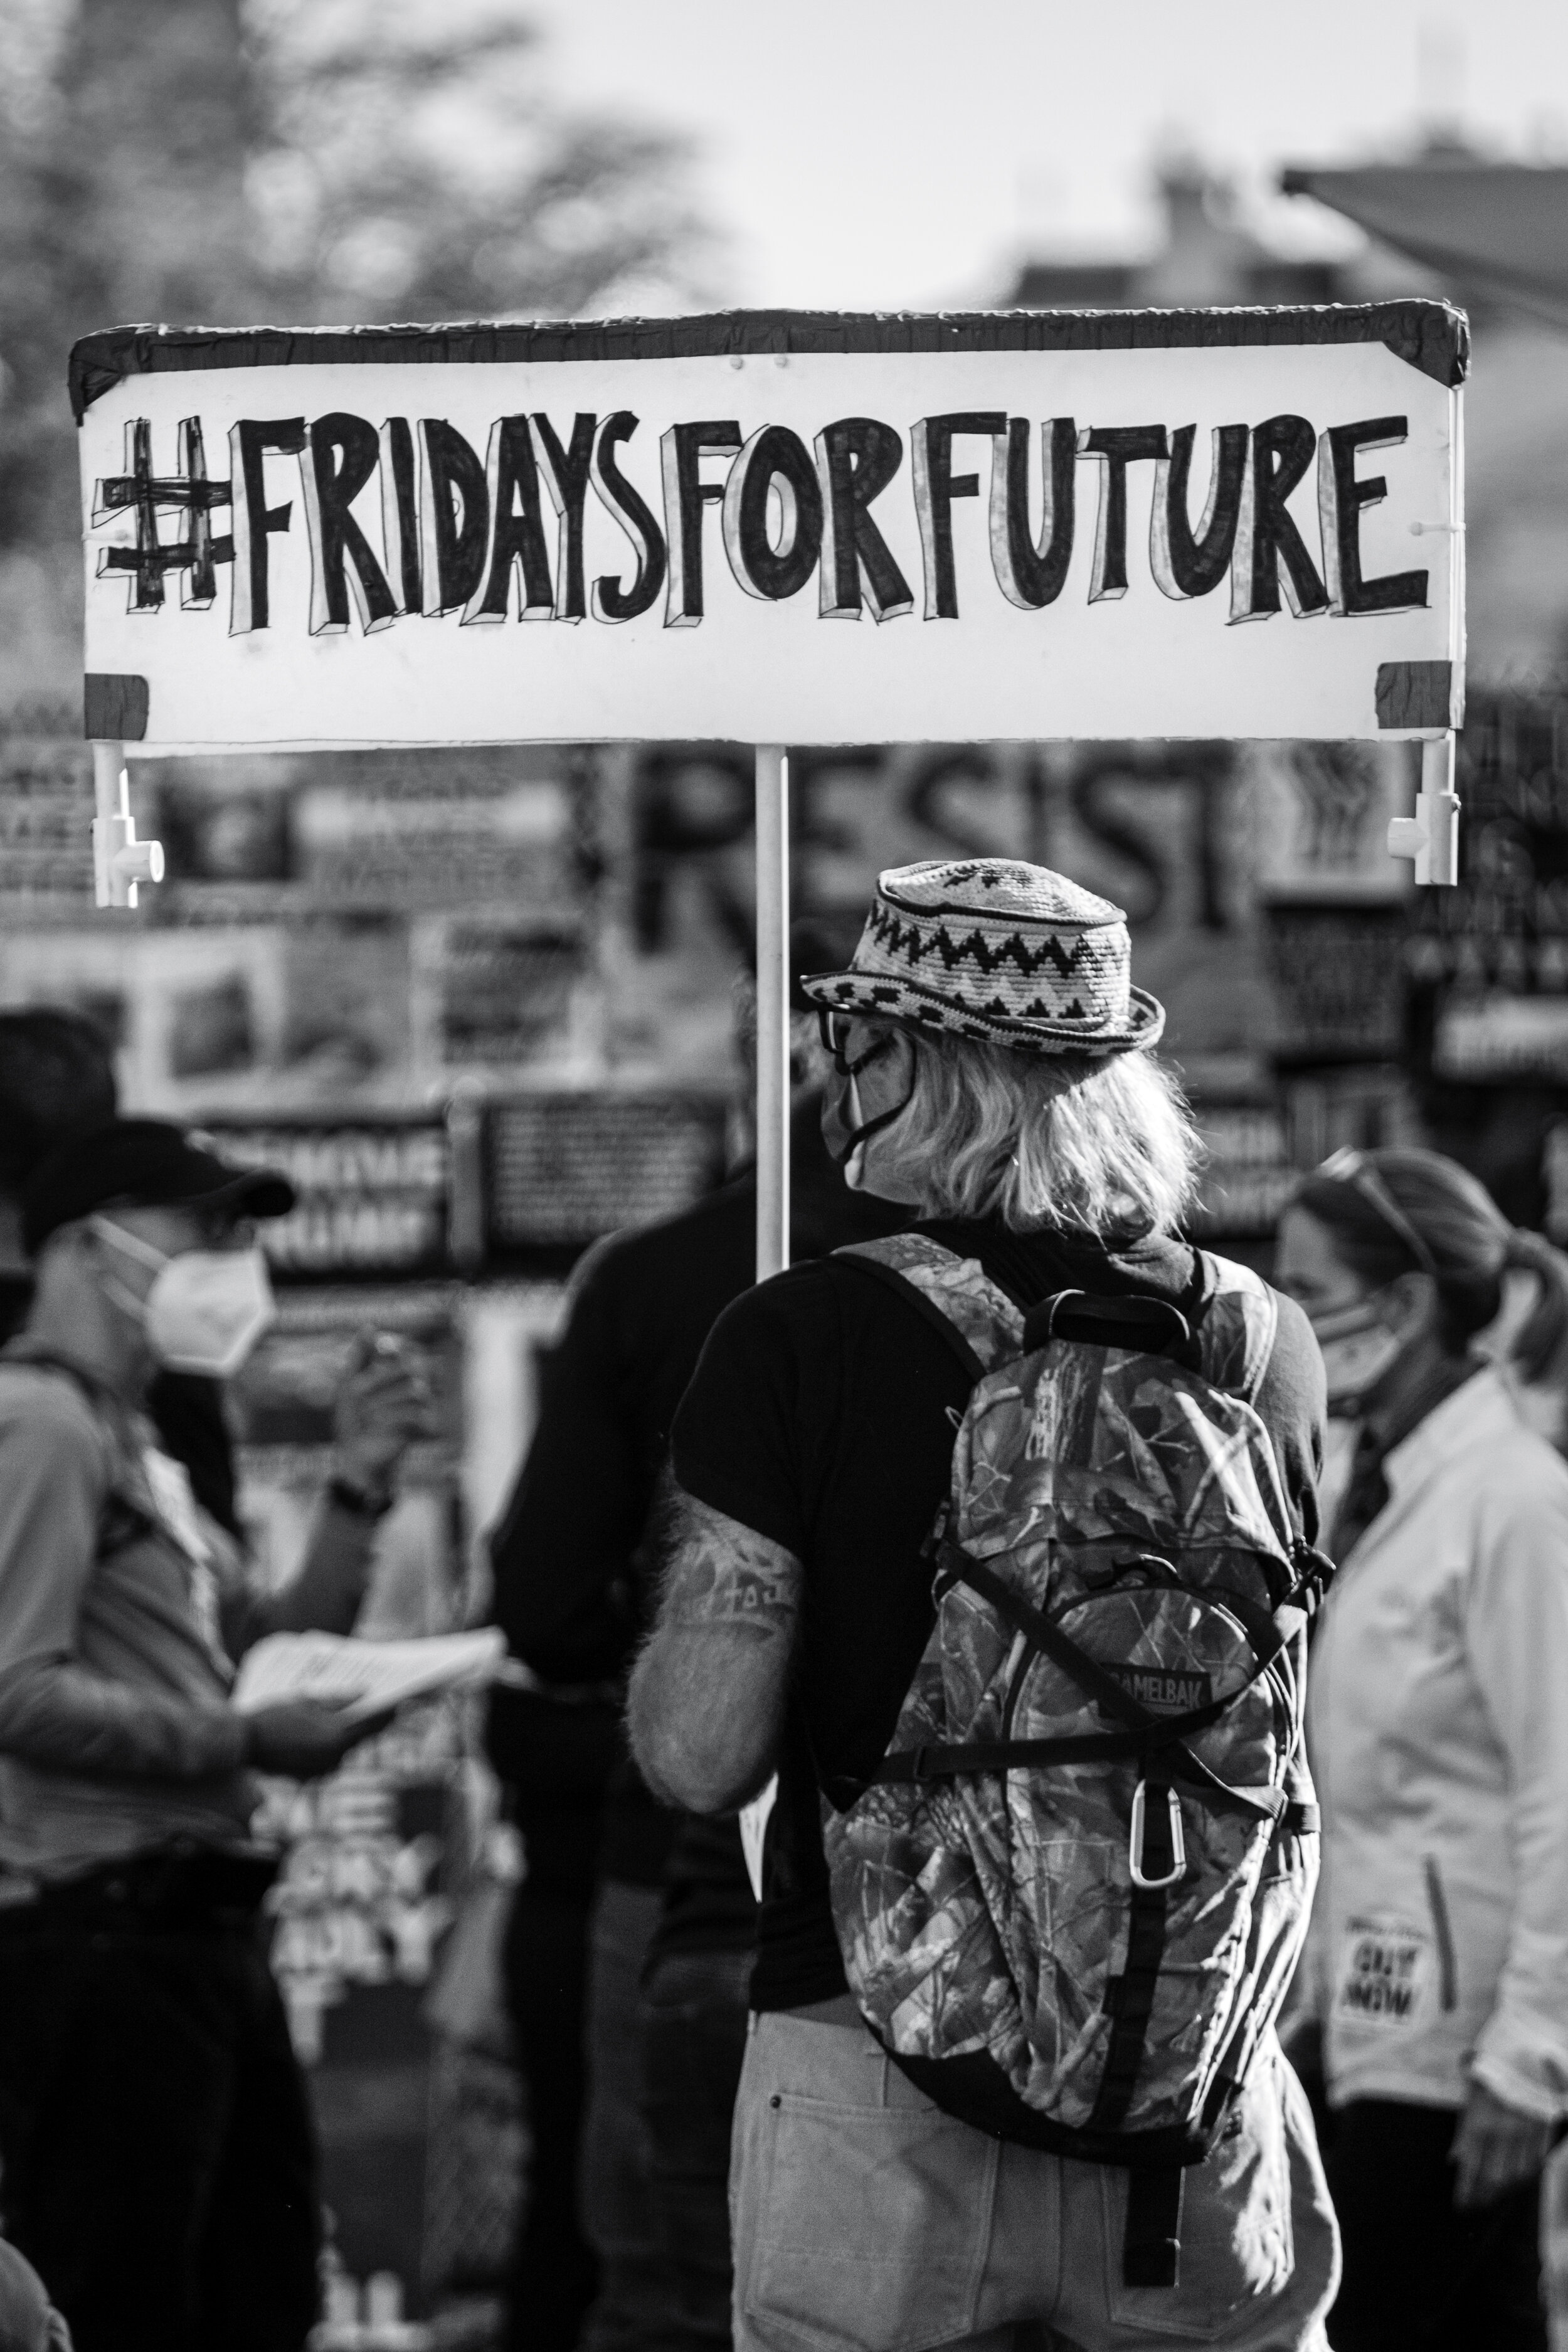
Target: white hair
<point x="1099" y="1144"/>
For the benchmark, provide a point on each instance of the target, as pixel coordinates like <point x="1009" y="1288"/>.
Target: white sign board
<point x="776" y="527"/>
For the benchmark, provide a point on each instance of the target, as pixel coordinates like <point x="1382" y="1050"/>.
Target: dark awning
<point x="1487" y="229"/>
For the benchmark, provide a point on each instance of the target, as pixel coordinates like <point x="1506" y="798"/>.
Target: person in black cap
<point x="158" y="2162"/>
<point x="57" y="1079"/>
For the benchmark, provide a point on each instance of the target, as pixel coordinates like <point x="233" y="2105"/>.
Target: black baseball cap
<point x="141" y="1163"/>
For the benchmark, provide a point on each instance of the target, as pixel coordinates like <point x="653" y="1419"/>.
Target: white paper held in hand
<point x="363" y="1676"/>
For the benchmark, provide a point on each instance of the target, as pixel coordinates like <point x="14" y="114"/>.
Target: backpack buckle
<point x="1135" y="1841"/>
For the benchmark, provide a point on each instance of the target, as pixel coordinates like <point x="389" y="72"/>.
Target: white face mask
<point x="206" y="1308"/>
<point x="1357" y="1349"/>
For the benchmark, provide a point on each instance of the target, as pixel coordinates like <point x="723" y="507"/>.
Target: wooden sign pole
<point x="772" y="1009"/>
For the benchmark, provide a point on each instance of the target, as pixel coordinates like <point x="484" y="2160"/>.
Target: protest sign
<point x="46" y="801"/>
<point x="564" y="1167"/>
<point x="1038" y="524"/>
<point x="1042" y="524"/>
<point x="373" y="1196"/>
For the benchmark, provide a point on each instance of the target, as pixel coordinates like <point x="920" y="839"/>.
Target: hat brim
<point x="880" y="998"/>
<point x="255" y="1192"/>
<point x="243" y="1191"/>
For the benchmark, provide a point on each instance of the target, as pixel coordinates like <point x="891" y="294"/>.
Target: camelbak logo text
<point x="1160" y="1690"/>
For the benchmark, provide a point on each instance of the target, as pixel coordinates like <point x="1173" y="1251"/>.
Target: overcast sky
<point x="903" y="152"/>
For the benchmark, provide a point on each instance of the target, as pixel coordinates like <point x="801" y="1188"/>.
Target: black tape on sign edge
<point x="114" y="707"/>
<point x="1414" y="694"/>
<point x="1432" y="337"/>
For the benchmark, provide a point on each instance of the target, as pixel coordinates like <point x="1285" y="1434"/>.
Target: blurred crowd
<point x="672" y="1946"/>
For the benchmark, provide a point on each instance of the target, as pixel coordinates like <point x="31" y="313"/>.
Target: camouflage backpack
<point x="1070" y="1898"/>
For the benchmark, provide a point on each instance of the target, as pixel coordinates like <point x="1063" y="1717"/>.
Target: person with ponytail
<point x="1438" y="1728"/>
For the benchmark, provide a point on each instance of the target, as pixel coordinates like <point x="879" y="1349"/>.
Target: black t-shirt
<point x="822" y="1415"/>
<point x="571" y="1553"/>
<point x="707" y="1902"/>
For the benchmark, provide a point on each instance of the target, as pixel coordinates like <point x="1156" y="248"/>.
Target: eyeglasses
<point x="1352" y="1167"/>
<point x="833" y="1030"/>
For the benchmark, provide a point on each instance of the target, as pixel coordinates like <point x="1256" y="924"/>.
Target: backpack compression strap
<point x="1158" y="1743"/>
<point x="1146" y="1734"/>
<point x="1152" y="2235"/>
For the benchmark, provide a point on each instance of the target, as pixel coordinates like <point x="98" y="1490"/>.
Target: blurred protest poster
<point x="423" y="2137"/>
<point x="563" y="1168"/>
<point x="1488" y="963"/>
<point x="46" y="807"/>
<point x="458" y="1082"/>
<point x="373" y="1196"/>
<point x="364" y="1898"/>
<point x="1319" y="814"/>
<point x="379" y="1860"/>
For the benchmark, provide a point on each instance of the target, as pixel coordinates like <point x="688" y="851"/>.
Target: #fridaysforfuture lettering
<point x="470" y="537"/>
<point x="378" y="542"/>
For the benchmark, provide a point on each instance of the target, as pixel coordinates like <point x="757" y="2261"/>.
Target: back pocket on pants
<point x="1236" y="2225"/>
<point x="873" y="2227"/>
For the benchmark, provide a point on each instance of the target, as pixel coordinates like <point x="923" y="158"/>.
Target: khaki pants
<point x="866" y="2220"/>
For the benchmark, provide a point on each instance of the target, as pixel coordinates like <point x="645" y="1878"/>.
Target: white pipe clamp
<point x="120" y="862"/>
<point x="1431" y="837"/>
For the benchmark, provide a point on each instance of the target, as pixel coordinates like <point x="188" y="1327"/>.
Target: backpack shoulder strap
<point x="983" y="1326"/>
<point x="1237" y="1335"/>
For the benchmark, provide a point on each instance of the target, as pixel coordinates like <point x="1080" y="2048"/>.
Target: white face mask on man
<point x="206" y="1308"/>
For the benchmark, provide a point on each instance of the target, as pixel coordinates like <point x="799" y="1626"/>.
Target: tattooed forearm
<point x="706" y="1696"/>
<point x="737" y="1580"/>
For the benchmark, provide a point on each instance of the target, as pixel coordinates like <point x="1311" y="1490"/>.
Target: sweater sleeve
<point x="326" y="1592"/>
<point x="1517" y="1632"/>
<point x="53" y="1710"/>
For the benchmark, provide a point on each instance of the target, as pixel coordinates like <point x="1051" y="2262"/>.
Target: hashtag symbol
<point x="147" y="494"/>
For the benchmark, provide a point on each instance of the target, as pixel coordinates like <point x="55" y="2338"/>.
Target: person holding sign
<point x="1023" y="1856"/>
<point x="1438" y="1960"/>
<point x="158" y="2157"/>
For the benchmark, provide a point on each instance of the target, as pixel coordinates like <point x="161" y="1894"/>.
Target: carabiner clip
<point x="1135" y="1842"/>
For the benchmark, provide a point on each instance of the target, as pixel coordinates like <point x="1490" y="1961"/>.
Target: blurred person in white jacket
<point x="1438" y="1730"/>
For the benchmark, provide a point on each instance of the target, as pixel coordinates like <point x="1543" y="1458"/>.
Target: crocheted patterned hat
<point x="991" y="948"/>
